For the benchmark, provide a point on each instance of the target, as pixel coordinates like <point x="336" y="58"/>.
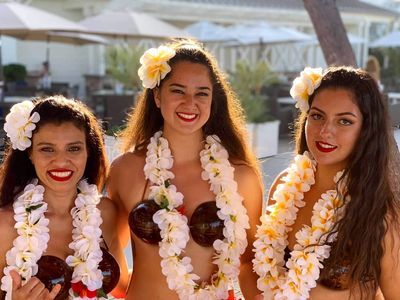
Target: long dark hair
<point x="17" y="169"/>
<point x="226" y="118"/>
<point x="373" y="203"/>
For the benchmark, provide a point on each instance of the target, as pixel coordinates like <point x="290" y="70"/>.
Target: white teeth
<point x="326" y="146"/>
<point x="187" y="116"/>
<point x="61" y="174"/>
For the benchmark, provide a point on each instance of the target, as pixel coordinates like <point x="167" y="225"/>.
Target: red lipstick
<point x="186" y="117"/>
<point x="60" y="174"/>
<point x="325" y="147"/>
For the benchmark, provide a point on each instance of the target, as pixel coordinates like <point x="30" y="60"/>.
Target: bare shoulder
<point x="123" y="171"/>
<point x="126" y="181"/>
<point x="249" y="186"/>
<point x="277" y="181"/>
<point x="6" y="218"/>
<point x="108" y="208"/>
<point x="245" y="174"/>
<point x="127" y="163"/>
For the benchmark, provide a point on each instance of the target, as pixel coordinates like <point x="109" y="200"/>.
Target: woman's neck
<point x="325" y="174"/>
<point x="185" y="148"/>
<point x="60" y="203"/>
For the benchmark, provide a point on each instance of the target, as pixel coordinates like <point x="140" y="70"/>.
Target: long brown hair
<point x="226" y="120"/>
<point x="17" y="169"/>
<point x="373" y="203"/>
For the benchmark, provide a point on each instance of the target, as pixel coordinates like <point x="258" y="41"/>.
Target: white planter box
<point x="264" y="138"/>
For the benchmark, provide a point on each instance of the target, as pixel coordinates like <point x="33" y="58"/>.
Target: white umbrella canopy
<point x="128" y="23"/>
<point x="16" y="18"/>
<point x="206" y="31"/>
<point x="73" y="38"/>
<point x="390" y="40"/>
<point x="262" y="32"/>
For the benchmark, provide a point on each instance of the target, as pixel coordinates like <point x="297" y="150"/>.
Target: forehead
<point x="52" y="133"/>
<point x="336" y="99"/>
<point x="186" y="72"/>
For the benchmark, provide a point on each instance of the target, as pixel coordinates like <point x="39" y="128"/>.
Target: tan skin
<point x="189" y="95"/>
<point x="338" y="124"/>
<point x="55" y="147"/>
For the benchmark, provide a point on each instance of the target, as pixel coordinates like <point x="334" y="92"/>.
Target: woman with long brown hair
<point x="187" y="182"/>
<point x="331" y="231"/>
<point x="57" y="232"/>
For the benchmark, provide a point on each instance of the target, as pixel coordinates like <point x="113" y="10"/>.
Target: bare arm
<point x="249" y="187"/>
<point x="390" y="264"/>
<point x="109" y="213"/>
<point x="115" y="182"/>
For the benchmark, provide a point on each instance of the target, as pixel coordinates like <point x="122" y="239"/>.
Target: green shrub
<point x="14" y="72"/>
<point x="248" y="82"/>
<point x="122" y="64"/>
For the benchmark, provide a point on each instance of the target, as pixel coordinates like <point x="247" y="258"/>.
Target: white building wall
<point x="68" y="63"/>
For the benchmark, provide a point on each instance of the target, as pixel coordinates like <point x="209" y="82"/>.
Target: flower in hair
<point x="155" y="65"/>
<point x="304" y="85"/>
<point x="20" y="124"/>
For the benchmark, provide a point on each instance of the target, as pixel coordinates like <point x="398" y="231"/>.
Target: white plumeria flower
<point x="20" y="124"/>
<point x="304" y="86"/>
<point x="155" y="65"/>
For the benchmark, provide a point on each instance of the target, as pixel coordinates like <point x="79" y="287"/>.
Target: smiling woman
<point x="57" y="231"/>
<point x="333" y="220"/>
<point x="188" y="186"/>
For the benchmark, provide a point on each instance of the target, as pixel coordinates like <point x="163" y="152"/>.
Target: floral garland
<point x="20" y="124"/>
<point x="154" y="65"/>
<point x="312" y="247"/>
<point x="33" y="237"/>
<point x="304" y="86"/>
<point x="174" y="228"/>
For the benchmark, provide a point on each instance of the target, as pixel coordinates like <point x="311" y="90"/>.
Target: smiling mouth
<point x="186" y="117"/>
<point x="60" y="175"/>
<point x="325" y="147"/>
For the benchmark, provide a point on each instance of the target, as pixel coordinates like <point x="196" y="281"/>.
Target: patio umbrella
<point x="206" y="31"/>
<point x="18" y="19"/>
<point x="262" y="32"/>
<point x="73" y="38"/>
<point x="390" y="40"/>
<point x="128" y="23"/>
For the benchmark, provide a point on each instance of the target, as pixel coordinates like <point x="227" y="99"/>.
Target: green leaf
<point x="33" y="207"/>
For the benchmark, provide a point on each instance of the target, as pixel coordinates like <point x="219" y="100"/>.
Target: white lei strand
<point x="303" y="267"/>
<point x="33" y="237"/>
<point x="174" y="228"/>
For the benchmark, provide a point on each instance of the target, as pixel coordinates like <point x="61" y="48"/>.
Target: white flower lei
<point x="33" y="237"/>
<point x="174" y="228"/>
<point x="303" y="267"/>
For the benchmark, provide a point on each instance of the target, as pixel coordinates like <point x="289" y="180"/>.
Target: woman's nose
<point x="327" y="128"/>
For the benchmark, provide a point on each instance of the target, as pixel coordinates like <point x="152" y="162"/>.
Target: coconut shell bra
<point x="205" y="225"/>
<point x="335" y="277"/>
<point x="54" y="270"/>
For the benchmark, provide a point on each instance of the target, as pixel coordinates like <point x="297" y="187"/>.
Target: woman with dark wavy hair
<point x="187" y="182"/>
<point x="332" y="227"/>
<point x="53" y="246"/>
